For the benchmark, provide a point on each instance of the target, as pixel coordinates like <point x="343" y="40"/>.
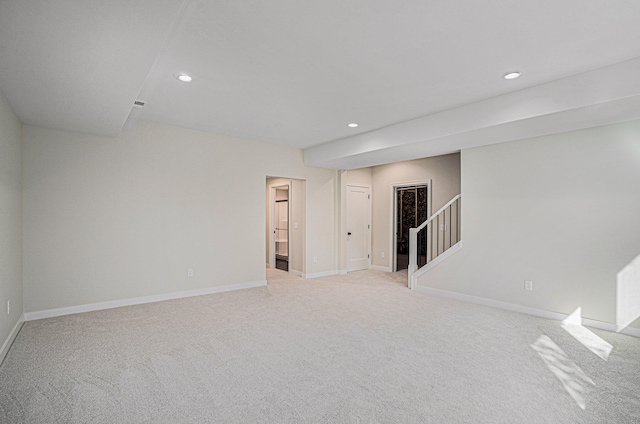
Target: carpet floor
<point x="359" y="348"/>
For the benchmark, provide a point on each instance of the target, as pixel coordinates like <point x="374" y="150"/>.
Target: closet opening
<point x="281" y="220"/>
<point x="285" y="224"/>
<point x="412" y="206"/>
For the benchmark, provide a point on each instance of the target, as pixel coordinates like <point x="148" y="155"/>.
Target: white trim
<point x="629" y="331"/>
<point x="12" y="336"/>
<point x="290" y="177"/>
<point x="50" y="313"/>
<point x="557" y="316"/>
<point x="272" y="239"/>
<point x="297" y="273"/>
<point x="320" y="274"/>
<point x="439" y="259"/>
<point x="272" y="224"/>
<point x="449" y="203"/>
<point x="380" y="268"/>
<point x="343" y="272"/>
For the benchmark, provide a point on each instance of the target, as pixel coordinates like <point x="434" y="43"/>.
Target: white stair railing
<point x="434" y="236"/>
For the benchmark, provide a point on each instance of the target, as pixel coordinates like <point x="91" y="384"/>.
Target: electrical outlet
<point x="8" y="306"/>
<point x="315" y="259"/>
<point x="528" y="285"/>
<point x="190" y="272"/>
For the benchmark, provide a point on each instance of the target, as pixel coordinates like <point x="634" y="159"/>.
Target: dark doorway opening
<point x="411" y="211"/>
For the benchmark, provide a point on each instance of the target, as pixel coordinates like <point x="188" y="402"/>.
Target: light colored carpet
<point x="359" y="348"/>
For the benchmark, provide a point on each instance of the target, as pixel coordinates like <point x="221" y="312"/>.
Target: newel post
<point x="413" y="255"/>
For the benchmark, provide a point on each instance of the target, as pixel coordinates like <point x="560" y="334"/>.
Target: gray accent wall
<point x="562" y="211"/>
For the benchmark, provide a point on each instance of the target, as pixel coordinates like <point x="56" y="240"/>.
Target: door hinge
<point x="368" y="256"/>
<point x="368" y="196"/>
<point x="368" y="226"/>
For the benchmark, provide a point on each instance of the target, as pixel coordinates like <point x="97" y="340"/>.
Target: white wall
<point x="362" y="176"/>
<point x="109" y="219"/>
<point x="298" y="235"/>
<point x="561" y="210"/>
<point x="443" y="171"/>
<point x="10" y="220"/>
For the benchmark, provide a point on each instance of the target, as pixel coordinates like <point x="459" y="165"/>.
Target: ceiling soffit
<point x="603" y="96"/>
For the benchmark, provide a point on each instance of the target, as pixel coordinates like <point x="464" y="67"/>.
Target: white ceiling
<point x="295" y="73"/>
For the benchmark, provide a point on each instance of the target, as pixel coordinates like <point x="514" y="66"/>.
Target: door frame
<point x="272" y="224"/>
<point x="394" y="212"/>
<point x="368" y="236"/>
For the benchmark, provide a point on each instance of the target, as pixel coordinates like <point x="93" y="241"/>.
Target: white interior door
<point x="358" y="227"/>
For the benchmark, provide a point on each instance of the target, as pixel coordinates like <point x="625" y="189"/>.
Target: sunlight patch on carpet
<point x="573" y="379"/>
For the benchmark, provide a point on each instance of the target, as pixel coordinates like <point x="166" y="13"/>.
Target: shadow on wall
<point x="628" y="294"/>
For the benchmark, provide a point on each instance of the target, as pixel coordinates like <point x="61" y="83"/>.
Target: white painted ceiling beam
<point x="602" y="96"/>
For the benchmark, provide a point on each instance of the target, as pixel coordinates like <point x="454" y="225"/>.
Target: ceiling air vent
<point x="134" y="115"/>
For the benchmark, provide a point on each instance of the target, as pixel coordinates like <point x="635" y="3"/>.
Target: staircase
<point x="435" y="236"/>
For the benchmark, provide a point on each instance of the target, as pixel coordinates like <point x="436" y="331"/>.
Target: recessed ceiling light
<point x="184" y="78"/>
<point x="512" y="75"/>
<point x="352" y="125"/>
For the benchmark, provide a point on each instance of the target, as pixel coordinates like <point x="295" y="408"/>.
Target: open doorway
<point x="412" y="206"/>
<point x="281" y="229"/>
<point x="285" y="224"/>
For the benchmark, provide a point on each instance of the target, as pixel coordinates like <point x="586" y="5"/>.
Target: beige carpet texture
<point x="360" y="348"/>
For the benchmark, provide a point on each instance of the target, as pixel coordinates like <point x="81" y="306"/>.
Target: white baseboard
<point x="12" y="336"/>
<point x="380" y="268"/>
<point x="320" y="274"/>
<point x="629" y="331"/>
<point x="343" y="272"/>
<point x="296" y="273"/>
<point x="50" y="313"/>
